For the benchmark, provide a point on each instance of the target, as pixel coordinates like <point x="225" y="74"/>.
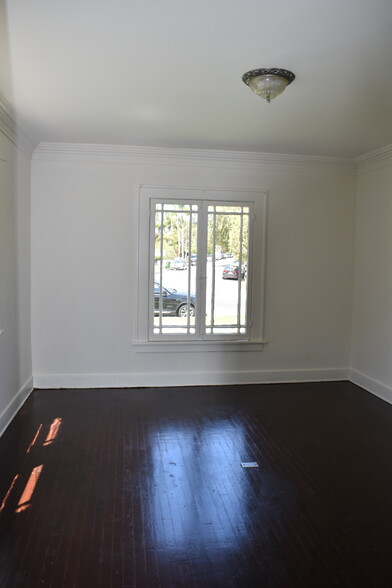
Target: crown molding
<point x="9" y="127"/>
<point x="374" y="160"/>
<point x="127" y="154"/>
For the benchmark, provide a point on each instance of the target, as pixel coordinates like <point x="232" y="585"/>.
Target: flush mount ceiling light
<point x="268" y="83"/>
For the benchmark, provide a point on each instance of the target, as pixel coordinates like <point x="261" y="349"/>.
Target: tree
<point x="228" y="232"/>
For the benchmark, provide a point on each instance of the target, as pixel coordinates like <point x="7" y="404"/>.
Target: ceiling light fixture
<point x="268" y="83"/>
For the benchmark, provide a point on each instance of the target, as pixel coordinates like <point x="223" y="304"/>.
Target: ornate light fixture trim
<point x="268" y="83"/>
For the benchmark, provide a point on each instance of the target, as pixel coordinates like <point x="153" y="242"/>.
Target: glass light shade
<point x="268" y="86"/>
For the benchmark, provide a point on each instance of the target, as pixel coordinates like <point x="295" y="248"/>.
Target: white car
<point x="178" y="264"/>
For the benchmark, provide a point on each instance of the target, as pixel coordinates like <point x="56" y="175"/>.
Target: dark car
<point x="231" y="271"/>
<point x="174" y="302"/>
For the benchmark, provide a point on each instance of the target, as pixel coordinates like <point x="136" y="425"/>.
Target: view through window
<point x="200" y="252"/>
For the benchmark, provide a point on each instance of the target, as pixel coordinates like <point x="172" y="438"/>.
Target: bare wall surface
<point x="15" y="339"/>
<point x="84" y="268"/>
<point x="15" y="286"/>
<point x="372" y="314"/>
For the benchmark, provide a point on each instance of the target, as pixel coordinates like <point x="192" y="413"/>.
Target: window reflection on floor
<point x="53" y="431"/>
<point x="198" y="486"/>
<point x="25" y="499"/>
<point x="5" y="499"/>
<point x="26" y="496"/>
<point x="34" y="440"/>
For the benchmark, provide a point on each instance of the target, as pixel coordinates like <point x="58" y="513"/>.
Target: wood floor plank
<point x="143" y="488"/>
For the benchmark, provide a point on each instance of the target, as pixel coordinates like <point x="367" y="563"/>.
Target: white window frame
<point x="254" y="339"/>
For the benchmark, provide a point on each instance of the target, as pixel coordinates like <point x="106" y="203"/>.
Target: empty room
<point x="195" y="293"/>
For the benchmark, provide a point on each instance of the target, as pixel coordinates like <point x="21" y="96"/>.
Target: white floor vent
<point x="249" y="464"/>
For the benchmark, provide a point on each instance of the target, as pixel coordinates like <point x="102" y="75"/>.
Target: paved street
<point x="226" y="291"/>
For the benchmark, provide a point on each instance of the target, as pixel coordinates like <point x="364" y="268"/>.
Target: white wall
<point x="15" y="340"/>
<point x="15" y="330"/>
<point x="372" y="314"/>
<point x="84" y="266"/>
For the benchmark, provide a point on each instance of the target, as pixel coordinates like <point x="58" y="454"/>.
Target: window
<point x="201" y="269"/>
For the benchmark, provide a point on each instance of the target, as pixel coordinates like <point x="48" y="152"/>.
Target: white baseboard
<point x="150" y="379"/>
<point x="14" y="405"/>
<point x="371" y="385"/>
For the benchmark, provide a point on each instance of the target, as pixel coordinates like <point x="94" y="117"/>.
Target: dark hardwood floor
<point x="144" y="488"/>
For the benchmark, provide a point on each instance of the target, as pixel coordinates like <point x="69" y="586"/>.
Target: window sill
<point x="196" y="346"/>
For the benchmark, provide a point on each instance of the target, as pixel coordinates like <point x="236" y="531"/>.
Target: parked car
<point x="174" y="302"/>
<point x="231" y="271"/>
<point x="179" y="264"/>
<point x="193" y="259"/>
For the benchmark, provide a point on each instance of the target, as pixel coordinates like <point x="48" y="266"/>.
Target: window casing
<point x="201" y="302"/>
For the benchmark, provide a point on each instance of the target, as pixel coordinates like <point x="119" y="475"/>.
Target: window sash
<point x="244" y="210"/>
<point x="199" y="329"/>
<point x="158" y="332"/>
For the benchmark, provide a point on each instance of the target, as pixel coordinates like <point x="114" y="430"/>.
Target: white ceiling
<point x="168" y="74"/>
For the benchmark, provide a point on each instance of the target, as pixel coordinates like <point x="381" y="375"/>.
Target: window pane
<point x="170" y="206"/>
<point x="175" y="268"/>
<point x="229" y="209"/>
<point x="227" y="244"/>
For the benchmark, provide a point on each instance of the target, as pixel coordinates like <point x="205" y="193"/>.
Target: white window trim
<point x="255" y="340"/>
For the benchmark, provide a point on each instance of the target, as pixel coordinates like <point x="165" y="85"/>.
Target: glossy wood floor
<point x="144" y="488"/>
